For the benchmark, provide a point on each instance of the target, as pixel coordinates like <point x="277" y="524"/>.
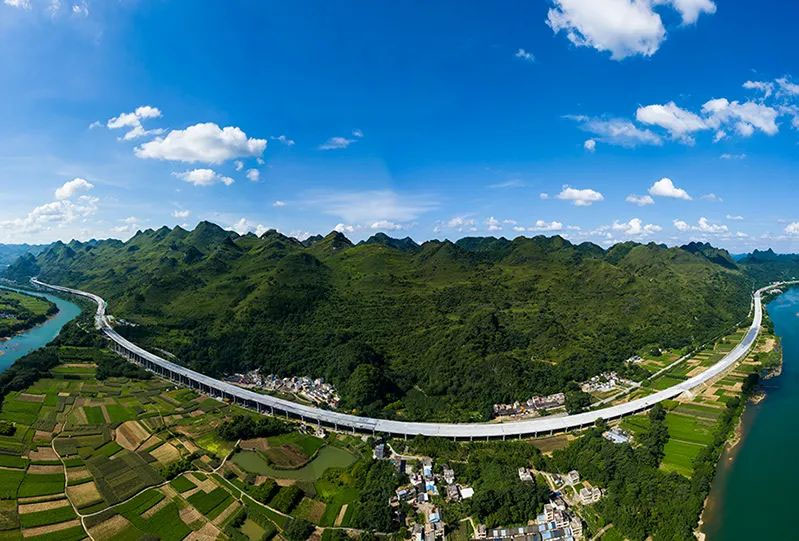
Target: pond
<point x="327" y="457"/>
<point x="40" y="335"/>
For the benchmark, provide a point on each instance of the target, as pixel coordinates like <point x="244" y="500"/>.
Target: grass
<point x="50" y="516"/>
<point x="182" y="484"/>
<point x="206" y="502"/>
<point x="94" y="415"/>
<point x="41" y="484"/>
<point x="680" y="457"/>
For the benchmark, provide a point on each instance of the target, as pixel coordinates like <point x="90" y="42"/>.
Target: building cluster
<point x="635" y="359"/>
<point x="556" y="523"/>
<point x="314" y="390"/>
<point x="533" y="405"/>
<point x="419" y="493"/>
<point x="617" y="435"/>
<point x="604" y="382"/>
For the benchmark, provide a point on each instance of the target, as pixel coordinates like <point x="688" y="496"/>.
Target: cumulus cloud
<point x="238" y="165"/>
<point x="580" y="197"/>
<point x="253" y="175"/>
<point x="181" y="214"/>
<point x="713" y="198"/>
<point x="622" y="27"/>
<point x="279" y="203"/>
<point x="728" y="156"/>
<point x="205" y="142"/>
<point x="133" y="122"/>
<point x="203" y="177"/>
<point x="22" y="4"/>
<point x="335" y="143"/>
<point x="493" y="224"/>
<point x="767" y="88"/>
<point x="677" y="121"/>
<point x="589" y="145"/>
<point x="792" y="228"/>
<point x="745" y="117"/>
<point x="703" y="225"/>
<point x="543" y="196"/>
<point x="640" y="200"/>
<point x="635" y="228"/>
<point x="542" y="225"/>
<point x="787" y="87"/>
<point x="55" y="214"/>
<point x="616" y="131"/>
<point x="244" y="226"/>
<point x="734" y="217"/>
<point x="345" y="228"/>
<point x="525" y="55"/>
<point x="456" y="223"/>
<point x="665" y="188"/>
<point x="70" y="188"/>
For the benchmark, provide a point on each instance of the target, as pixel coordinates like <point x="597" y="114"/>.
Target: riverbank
<point x="759" y="459"/>
<point x="20" y="311"/>
<point x="19" y="345"/>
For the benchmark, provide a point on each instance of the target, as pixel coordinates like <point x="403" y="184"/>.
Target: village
<point x="315" y="390"/>
<point x="418" y="504"/>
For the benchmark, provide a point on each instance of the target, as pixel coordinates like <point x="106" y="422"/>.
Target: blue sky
<point x="600" y="120"/>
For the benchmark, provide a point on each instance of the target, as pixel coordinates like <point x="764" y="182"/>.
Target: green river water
<point x="40" y="335"/>
<point x="751" y="496"/>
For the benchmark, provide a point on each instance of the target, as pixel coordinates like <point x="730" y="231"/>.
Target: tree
<point x="577" y="401"/>
<point x="298" y="530"/>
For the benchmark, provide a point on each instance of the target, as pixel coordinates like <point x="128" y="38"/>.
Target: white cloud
<point x="244" y="226"/>
<point x="279" y="203"/>
<point x="617" y="131"/>
<point x="493" y="224"/>
<point x="703" y="225"/>
<point x="55" y="214"/>
<point x="713" y="198"/>
<point x="734" y="217"/>
<point x="283" y="139"/>
<point x="203" y="177"/>
<point x="132" y="122"/>
<point x="666" y="188"/>
<point x="792" y="228"/>
<point x="22" y="4"/>
<point x="580" y="197"/>
<point x="787" y="87"/>
<point x="635" y="227"/>
<point x="728" y="156"/>
<point x="95" y="124"/>
<point x="204" y="142"/>
<point x="238" y="165"/>
<point x="181" y="214"/>
<point x="373" y="205"/>
<point x="744" y="117"/>
<point x="677" y="121"/>
<point x="81" y="9"/>
<point x="458" y="223"/>
<point x="253" y="175"/>
<point x="345" y="228"/>
<point x="589" y="145"/>
<point x="386" y="225"/>
<point x="335" y="143"/>
<point x="357" y="133"/>
<point x="765" y="87"/>
<point x="622" y="27"/>
<point x="525" y="55"/>
<point x="70" y="188"/>
<point x="640" y="200"/>
<point x="541" y="225"/>
<point x="719" y="135"/>
<point x="543" y="196"/>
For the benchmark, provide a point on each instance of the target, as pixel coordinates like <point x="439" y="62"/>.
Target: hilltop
<point x="440" y="330"/>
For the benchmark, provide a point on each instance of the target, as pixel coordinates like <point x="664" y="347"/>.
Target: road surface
<point x="459" y="431"/>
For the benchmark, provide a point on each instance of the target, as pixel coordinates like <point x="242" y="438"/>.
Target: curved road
<point x="533" y="427"/>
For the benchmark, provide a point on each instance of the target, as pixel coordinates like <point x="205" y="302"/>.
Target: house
<point x="435" y="516"/>
<point x="379" y="452"/>
<point x="481" y="531"/>
<point x="466" y="492"/>
<point x="525" y="475"/>
<point x="449" y="475"/>
<point x="573" y="477"/>
<point x="616" y="435"/>
<point x="590" y="495"/>
<point x="453" y="494"/>
<point x="417" y="533"/>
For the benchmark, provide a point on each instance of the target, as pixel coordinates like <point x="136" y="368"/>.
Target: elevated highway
<point x="458" y="431"/>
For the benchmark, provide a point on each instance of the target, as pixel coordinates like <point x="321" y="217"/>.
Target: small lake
<point x="40" y="335"/>
<point x="327" y="457"/>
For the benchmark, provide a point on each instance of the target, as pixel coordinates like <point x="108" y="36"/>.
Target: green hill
<point x="442" y="330"/>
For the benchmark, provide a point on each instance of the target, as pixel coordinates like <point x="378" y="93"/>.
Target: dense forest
<point x="439" y="330"/>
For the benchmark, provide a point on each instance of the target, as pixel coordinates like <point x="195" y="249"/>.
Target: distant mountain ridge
<point x="440" y="330"/>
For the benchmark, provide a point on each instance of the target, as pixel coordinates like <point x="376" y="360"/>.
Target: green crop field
<point x="51" y="516"/>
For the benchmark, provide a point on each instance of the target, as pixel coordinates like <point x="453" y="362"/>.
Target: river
<point x="40" y="335"/>
<point x="761" y="473"/>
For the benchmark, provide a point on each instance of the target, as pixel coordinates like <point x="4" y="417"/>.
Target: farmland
<point x="126" y="458"/>
<point x="19" y="312"/>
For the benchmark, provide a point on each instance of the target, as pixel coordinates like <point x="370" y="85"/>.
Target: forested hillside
<point x="438" y="330"/>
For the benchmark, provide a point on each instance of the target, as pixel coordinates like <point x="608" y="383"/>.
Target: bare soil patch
<point x="27" y="397"/>
<point x="50" y="528"/>
<point x="41" y="506"/>
<point x="84" y="494"/>
<point x="109" y="528"/>
<point x="131" y="434"/>
<point x="48" y="468"/>
<point x="166" y="453"/>
<point x="42" y="453"/>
